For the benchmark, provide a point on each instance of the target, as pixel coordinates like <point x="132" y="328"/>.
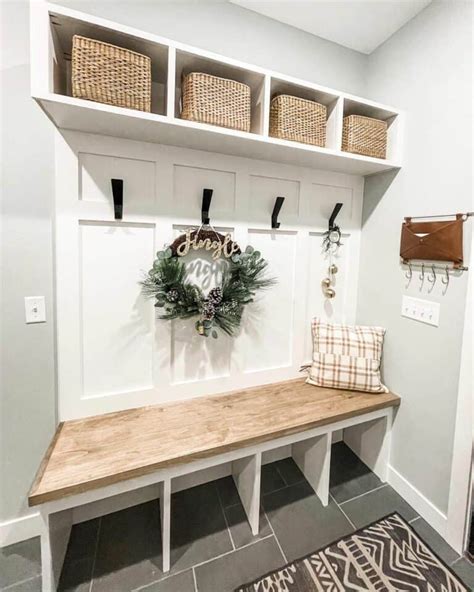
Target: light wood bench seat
<point x="97" y="458"/>
<point x="97" y="451"/>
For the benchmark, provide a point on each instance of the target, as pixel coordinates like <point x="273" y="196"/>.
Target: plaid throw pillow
<point x="346" y="357"/>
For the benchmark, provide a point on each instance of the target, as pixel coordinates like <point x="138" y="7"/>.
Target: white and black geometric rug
<point x="385" y="556"/>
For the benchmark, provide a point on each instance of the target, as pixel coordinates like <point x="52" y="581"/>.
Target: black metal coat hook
<point x="117" y="193"/>
<point x="332" y="218"/>
<point x="206" y="205"/>
<point x="276" y="210"/>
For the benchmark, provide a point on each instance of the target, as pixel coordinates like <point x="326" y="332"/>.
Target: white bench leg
<point x="165" y="512"/>
<point x="313" y="457"/>
<point x="247" y="473"/>
<point x="371" y="442"/>
<point x="55" y="531"/>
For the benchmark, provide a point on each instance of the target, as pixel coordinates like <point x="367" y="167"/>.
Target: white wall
<point x="425" y="68"/>
<point x="28" y="382"/>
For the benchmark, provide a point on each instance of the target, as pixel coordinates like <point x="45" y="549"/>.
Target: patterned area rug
<point x="385" y="556"/>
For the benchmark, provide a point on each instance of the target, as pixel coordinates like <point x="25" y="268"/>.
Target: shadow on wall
<point x="374" y="190"/>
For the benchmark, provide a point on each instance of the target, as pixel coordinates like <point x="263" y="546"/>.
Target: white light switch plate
<point x="424" y="311"/>
<point x="35" y="310"/>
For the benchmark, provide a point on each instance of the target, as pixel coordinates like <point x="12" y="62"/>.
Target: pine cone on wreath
<point x="172" y="295"/>
<point x="215" y="295"/>
<point x="208" y="311"/>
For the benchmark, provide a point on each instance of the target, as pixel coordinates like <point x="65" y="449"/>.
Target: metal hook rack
<point x="422" y="265"/>
<point x="446" y="272"/>
<point x="465" y="216"/>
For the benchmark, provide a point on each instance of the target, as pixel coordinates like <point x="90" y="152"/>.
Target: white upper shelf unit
<point x="52" y="29"/>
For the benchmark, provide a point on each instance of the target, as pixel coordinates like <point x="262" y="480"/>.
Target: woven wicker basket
<point x="108" y="74"/>
<point x="218" y="101"/>
<point x="300" y="120"/>
<point x="364" y="135"/>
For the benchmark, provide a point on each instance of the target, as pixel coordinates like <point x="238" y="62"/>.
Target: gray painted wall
<point x="27" y="396"/>
<point x="28" y="382"/>
<point x="425" y="68"/>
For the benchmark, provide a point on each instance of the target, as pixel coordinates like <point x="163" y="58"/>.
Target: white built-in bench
<point x="98" y="457"/>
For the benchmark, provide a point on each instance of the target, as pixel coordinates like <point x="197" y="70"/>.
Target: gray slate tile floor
<point x="213" y="549"/>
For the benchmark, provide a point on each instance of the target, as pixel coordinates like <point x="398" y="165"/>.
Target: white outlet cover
<point x="35" y="309"/>
<point x="423" y="311"/>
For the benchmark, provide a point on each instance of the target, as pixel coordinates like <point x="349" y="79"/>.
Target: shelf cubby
<point x="280" y="86"/>
<point x="187" y="62"/>
<point x="63" y="29"/>
<point x="369" y="109"/>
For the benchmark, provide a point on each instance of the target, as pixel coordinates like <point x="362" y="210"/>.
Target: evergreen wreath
<point x="223" y="306"/>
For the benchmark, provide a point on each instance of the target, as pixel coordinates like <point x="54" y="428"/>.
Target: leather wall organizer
<point x="433" y="241"/>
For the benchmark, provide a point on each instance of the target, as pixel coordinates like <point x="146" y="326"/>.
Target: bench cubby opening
<point x="370" y="441"/>
<point x="313" y="457"/>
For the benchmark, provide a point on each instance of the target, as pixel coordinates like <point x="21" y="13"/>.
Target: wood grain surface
<point x="97" y="451"/>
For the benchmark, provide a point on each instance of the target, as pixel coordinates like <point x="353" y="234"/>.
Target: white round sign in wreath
<point x="222" y="307"/>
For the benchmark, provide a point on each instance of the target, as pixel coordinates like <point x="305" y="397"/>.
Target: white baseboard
<point x="418" y="501"/>
<point x="19" y="529"/>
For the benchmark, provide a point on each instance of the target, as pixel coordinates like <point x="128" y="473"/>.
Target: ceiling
<point x="362" y="25"/>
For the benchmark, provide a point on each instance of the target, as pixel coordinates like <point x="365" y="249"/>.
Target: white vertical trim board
<point x="370" y="441"/>
<point x="459" y="503"/>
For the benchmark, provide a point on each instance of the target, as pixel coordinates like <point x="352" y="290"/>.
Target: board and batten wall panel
<point x="116" y="322"/>
<point x="269" y="320"/>
<point x="96" y="170"/>
<point x="113" y="353"/>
